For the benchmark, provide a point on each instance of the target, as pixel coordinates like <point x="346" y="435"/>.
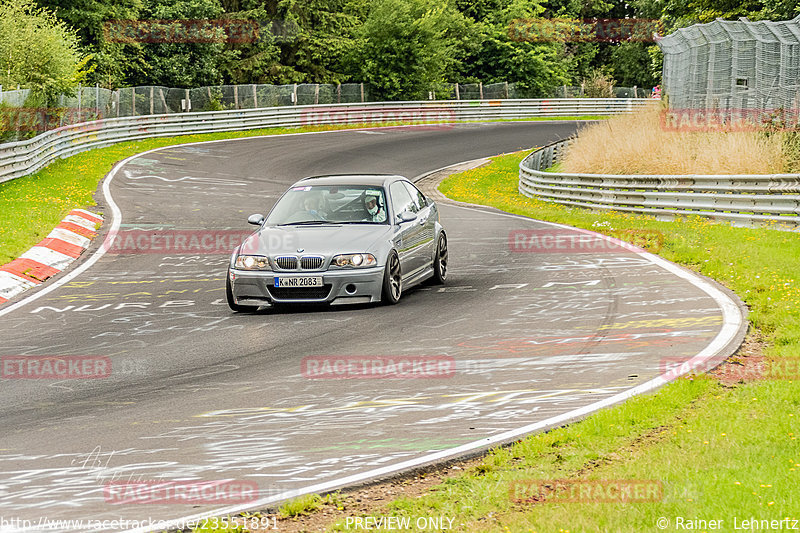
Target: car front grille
<point x="307" y="262"/>
<point x="286" y="263"/>
<point x="300" y="293"/>
<point x="311" y="262"/>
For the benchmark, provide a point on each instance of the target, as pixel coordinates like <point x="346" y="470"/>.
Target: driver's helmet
<point x="312" y="202"/>
<point x="372" y="201"/>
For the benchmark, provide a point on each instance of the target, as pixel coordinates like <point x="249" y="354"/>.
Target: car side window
<point x="419" y="198"/>
<point x="401" y="199"/>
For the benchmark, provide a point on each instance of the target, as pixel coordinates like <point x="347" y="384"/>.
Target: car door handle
<point x="422" y="221"/>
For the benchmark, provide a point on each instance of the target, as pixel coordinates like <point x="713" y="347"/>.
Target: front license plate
<point x="311" y="281"/>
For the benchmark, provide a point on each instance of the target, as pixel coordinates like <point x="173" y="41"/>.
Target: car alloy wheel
<point x="440" y="260"/>
<point x="392" y="280"/>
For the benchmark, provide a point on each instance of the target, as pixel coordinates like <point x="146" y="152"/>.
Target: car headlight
<point x="355" y="260"/>
<point x="252" y="262"/>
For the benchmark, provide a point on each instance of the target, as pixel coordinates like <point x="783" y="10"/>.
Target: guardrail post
<point x="316" y="93"/>
<point x="80" y="91"/>
<point x="255" y="97"/>
<point x="294" y="94"/>
<point x="97" y="99"/>
<point x="480" y="89"/>
<point x="506" y="88"/>
<point x="236" y="97"/>
<point x="338" y="93"/>
<point x="458" y="96"/>
<point x="362" y="92"/>
<point x="133" y="101"/>
<point x="188" y="104"/>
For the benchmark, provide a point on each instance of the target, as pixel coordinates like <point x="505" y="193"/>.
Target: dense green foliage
<point x="403" y="48"/>
<point x="38" y="51"/>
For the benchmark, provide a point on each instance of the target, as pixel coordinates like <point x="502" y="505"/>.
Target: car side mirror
<point x="406" y="216"/>
<point x="256" y="219"/>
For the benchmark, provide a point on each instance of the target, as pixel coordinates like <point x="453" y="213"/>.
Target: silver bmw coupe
<point x="339" y="240"/>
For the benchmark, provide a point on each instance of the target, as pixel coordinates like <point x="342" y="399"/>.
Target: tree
<point x="113" y="62"/>
<point x="38" y="52"/>
<point x="191" y="61"/>
<point x="407" y="47"/>
<point x="299" y="42"/>
<point x="506" y="55"/>
<point x="630" y="62"/>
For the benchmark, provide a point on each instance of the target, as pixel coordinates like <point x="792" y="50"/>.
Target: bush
<point x="598" y="86"/>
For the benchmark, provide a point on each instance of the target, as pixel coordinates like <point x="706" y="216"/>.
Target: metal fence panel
<point x="736" y="65"/>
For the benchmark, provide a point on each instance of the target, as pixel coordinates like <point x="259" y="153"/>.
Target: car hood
<point x="315" y="240"/>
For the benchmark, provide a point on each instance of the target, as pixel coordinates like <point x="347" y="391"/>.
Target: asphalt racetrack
<point x="196" y="392"/>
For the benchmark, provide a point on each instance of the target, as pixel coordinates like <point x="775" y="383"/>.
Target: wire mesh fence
<point x="20" y="120"/>
<point x="735" y="66"/>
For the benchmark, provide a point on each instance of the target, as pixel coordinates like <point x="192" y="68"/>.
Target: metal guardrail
<point x="21" y="158"/>
<point x="744" y="199"/>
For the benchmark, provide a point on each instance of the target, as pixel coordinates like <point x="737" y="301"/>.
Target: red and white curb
<point x="52" y="255"/>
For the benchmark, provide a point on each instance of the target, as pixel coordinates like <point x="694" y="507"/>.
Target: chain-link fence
<point x="20" y="120"/>
<point x="734" y="66"/>
<point x="566" y="91"/>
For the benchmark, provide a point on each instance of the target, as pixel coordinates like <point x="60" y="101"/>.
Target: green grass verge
<point x="720" y="452"/>
<point x="31" y="206"/>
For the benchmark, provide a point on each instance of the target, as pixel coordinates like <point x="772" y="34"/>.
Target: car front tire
<point x="440" y="260"/>
<point x="392" y="281"/>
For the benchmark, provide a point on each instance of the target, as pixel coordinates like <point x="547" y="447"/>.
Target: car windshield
<point x="330" y="204"/>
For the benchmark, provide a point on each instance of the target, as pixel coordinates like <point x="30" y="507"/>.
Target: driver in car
<point x="311" y="204"/>
<point x="377" y="212"/>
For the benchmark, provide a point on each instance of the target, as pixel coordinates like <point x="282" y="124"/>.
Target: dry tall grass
<point x="638" y="144"/>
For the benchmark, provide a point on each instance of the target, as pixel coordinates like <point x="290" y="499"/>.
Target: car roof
<point x="351" y="179"/>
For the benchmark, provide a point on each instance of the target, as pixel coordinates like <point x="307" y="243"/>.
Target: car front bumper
<point x="352" y="286"/>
